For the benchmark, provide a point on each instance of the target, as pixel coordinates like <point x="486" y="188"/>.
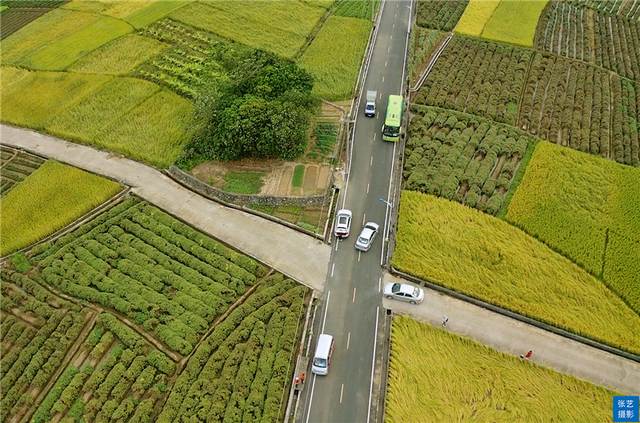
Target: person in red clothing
<point x="302" y="378"/>
<point x="527" y="355"/>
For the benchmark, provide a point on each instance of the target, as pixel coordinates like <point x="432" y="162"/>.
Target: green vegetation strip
<point x="442" y="377"/>
<point x="51" y="198"/>
<point x="587" y="208"/>
<point x="486" y="258"/>
<point x="298" y="176"/>
<point x="334" y="56"/>
<point x="244" y="182"/>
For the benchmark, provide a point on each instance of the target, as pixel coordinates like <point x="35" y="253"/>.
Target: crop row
<point x="239" y="372"/>
<point x="462" y="157"/>
<point x="611" y="41"/>
<point x="629" y="9"/>
<point x="442" y="15"/>
<point x="15" y="18"/>
<point x="563" y="29"/>
<point x="567" y="102"/>
<point x="16" y="167"/>
<point x="121" y="376"/>
<point x="626" y="100"/>
<point x="477" y="77"/>
<point x="354" y="9"/>
<point x="32" y="353"/>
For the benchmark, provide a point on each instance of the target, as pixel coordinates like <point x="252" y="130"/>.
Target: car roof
<point x="344" y="212"/>
<point x="406" y="288"/>
<point x="371" y="225"/>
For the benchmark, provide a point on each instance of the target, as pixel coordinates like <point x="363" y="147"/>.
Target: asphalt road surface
<point x="352" y="298"/>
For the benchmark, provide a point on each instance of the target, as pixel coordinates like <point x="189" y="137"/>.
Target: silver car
<point x="343" y="223"/>
<point x="403" y="292"/>
<point x="367" y="236"/>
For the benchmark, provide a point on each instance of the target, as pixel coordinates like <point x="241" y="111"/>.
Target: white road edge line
<point x="373" y="365"/>
<point x="333" y="266"/>
<point x="324" y="320"/>
<point x="313" y="385"/>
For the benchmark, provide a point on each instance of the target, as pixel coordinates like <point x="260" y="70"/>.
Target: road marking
<point x="354" y="295"/>
<point x="373" y="365"/>
<point x="313" y="385"/>
<point x="325" y="310"/>
<point x="385" y="64"/>
<point x="371" y="161"/>
<point x="341" y="392"/>
<point x="394" y="25"/>
<point x="348" y="339"/>
<point x="364" y="218"/>
<point x="367" y="188"/>
<point x="379" y="284"/>
<point x="381" y="91"/>
<point x="391" y="37"/>
<point x="333" y="266"/>
<point x="383" y="79"/>
<point x="389" y="49"/>
<point x="375" y="133"/>
<point x="337" y="243"/>
<point x="359" y="252"/>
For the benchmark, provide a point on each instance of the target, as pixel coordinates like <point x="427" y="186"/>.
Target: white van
<point x="322" y="359"/>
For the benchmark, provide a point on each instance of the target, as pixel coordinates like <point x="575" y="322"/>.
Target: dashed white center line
<point x="341" y="392"/>
<point x="348" y="339"/>
<point x="333" y="266"/>
<point x="385" y="64"/>
<point x="367" y="188"/>
<point x="354" y="295"/>
<point x="364" y="218"/>
<point x="371" y="161"/>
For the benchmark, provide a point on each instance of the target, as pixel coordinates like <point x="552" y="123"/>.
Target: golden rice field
<point x="138" y="13"/>
<point x="39" y="96"/>
<point x="476" y="16"/>
<point x="587" y="208"/>
<point x="119" y="57"/>
<point x="442" y="377"/>
<point x="281" y="27"/>
<point x="481" y="256"/>
<point x="514" y="22"/>
<point x="334" y="56"/>
<point x="49" y="199"/>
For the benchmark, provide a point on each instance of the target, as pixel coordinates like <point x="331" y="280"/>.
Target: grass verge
<point x="244" y="182"/>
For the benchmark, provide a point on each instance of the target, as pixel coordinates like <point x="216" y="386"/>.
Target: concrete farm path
<point x="514" y="337"/>
<point x="292" y="253"/>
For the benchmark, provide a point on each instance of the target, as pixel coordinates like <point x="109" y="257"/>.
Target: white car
<point x="343" y="223"/>
<point x="403" y="292"/>
<point x="367" y="236"/>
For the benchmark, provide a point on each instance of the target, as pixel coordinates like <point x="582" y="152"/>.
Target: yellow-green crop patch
<point x="11" y="75"/>
<point x="334" y="56"/>
<point x="49" y="199"/>
<point x="429" y="376"/>
<point x="119" y="57"/>
<point x="514" y="22"/>
<point x="152" y="132"/>
<point x="40" y="95"/>
<point x="18" y="48"/>
<point x="587" y="208"/>
<point x="153" y="12"/>
<point x="84" y="120"/>
<point x="62" y="52"/>
<point x="476" y="16"/>
<point x="486" y="258"/>
<point x="281" y="27"/>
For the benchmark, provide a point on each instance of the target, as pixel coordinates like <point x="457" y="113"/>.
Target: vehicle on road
<point x="343" y="223"/>
<point x="370" y="107"/>
<point x="322" y="358"/>
<point x="403" y="292"/>
<point x="367" y="236"/>
<point x="391" y="129"/>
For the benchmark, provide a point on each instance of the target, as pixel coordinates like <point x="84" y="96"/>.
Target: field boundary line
<point x="432" y="63"/>
<point x="516" y="316"/>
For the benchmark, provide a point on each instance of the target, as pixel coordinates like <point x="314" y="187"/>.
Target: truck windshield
<point x="320" y="362"/>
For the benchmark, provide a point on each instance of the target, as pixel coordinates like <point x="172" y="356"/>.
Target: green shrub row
<point x="143" y="411"/>
<point x="71" y="392"/>
<point x="42" y="414"/>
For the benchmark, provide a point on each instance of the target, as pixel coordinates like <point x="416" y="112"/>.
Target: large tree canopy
<point x="266" y="111"/>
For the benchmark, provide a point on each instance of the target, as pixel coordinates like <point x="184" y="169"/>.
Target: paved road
<point x="513" y="337"/>
<point x="292" y="253"/>
<point x="352" y="298"/>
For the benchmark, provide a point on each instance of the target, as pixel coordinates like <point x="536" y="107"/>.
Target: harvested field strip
<point x="334" y="56"/>
<point x="462" y="157"/>
<point x="486" y="258"/>
<point x="430" y="369"/>
<point x="279" y="27"/>
<point x="587" y="209"/>
<point x="52" y="197"/>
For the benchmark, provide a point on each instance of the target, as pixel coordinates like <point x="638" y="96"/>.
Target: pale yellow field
<point x="475" y="17"/>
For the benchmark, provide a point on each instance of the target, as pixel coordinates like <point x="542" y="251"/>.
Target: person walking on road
<point x="445" y="319"/>
<point x="527" y="355"/>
